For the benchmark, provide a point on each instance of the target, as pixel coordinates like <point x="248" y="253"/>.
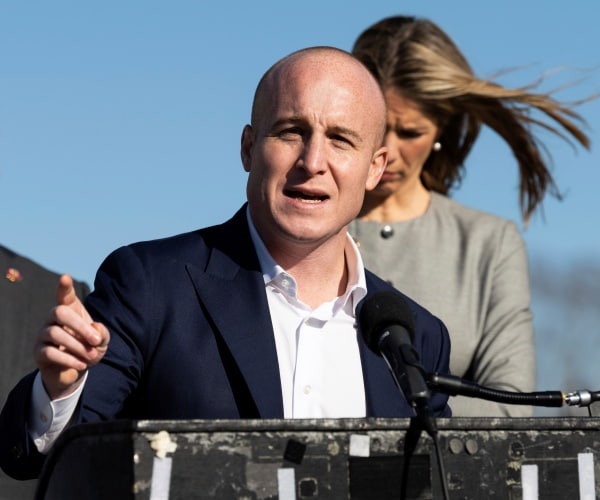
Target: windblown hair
<point x="416" y="58"/>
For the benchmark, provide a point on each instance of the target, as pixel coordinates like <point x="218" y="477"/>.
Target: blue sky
<point x="120" y="121"/>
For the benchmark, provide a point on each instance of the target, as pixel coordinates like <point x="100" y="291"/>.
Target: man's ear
<point x="378" y="164"/>
<point x="246" y="147"/>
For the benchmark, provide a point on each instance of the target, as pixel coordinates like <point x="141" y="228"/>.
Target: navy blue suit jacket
<point x="191" y="338"/>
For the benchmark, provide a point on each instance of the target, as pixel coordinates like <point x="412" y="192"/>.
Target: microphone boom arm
<point x="455" y="386"/>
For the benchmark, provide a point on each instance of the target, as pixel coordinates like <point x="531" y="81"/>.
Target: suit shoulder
<point x="230" y="237"/>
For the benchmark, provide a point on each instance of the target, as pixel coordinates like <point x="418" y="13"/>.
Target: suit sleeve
<point x="19" y="457"/>
<point x="122" y="301"/>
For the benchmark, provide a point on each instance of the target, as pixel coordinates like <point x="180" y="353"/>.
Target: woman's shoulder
<point x="473" y="224"/>
<point x="444" y="206"/>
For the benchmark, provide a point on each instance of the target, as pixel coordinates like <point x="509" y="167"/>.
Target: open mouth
<point x="305" y="197"/>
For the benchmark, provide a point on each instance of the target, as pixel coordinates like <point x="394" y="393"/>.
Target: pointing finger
<point x="65" y="294"/>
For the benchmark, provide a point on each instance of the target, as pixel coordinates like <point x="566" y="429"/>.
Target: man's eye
<point x="290" y="133"/>
<point x="341" y="139"/>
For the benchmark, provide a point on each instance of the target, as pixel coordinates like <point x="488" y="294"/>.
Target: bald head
<point x="312" y="65"/>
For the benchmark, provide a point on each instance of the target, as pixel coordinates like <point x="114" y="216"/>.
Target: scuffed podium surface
<point x="333" y="459"/>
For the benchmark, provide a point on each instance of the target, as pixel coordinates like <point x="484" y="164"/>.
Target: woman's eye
<point x="408" y="134"/>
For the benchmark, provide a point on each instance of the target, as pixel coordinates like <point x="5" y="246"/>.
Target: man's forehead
<point x="334" y="108"/>
<point x="330" y="85"/>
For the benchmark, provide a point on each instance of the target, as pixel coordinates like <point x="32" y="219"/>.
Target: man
<point x="254" y="318"/>
<point x="27" y="293"/>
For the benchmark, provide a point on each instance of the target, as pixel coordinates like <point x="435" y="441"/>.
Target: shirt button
<point x="307" y="389"/>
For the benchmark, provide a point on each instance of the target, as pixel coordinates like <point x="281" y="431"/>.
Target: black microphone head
<point x="380" y="311"/>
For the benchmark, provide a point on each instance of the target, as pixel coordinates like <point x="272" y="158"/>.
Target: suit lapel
<point x="231" y="290"/>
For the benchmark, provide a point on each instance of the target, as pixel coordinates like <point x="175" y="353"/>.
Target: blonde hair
<point x="415" y="57"/>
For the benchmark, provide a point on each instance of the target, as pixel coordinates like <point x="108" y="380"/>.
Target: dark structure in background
<point x="27" y="293"/>
<point x="566" y="306"/>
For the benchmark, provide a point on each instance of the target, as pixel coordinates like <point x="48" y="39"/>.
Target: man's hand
<point x="69" y="344"/>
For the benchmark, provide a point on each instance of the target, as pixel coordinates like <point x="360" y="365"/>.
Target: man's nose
<point x="314" y="156"/>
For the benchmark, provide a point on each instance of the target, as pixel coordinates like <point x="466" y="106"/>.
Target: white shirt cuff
<point x="47" y="419"/>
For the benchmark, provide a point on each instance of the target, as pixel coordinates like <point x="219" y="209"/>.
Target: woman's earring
<point x="437" y="146"/>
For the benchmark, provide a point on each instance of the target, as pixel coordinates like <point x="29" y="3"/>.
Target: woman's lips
<point x="390" y="176"/>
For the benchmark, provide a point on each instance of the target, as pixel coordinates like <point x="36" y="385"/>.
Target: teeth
<point x="305" y="197"/>
<point x="309" y="198"/>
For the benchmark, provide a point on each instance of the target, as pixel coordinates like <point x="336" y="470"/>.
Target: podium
<point x="496" y="458"/>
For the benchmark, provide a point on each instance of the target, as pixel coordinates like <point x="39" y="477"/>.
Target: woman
<point x="468" y="267"/>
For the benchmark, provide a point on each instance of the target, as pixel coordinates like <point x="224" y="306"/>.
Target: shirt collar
<point x="274" y="273"/>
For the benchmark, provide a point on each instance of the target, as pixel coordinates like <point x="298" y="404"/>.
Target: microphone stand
<point x="411" y="438"/>
<point x="424" y="419"/>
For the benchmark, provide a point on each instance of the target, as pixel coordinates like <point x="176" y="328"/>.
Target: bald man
<point x="253" y="318"/>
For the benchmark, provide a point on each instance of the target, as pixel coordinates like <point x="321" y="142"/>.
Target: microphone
<point x="387" y="325"/>
<point x="388" y="328"/>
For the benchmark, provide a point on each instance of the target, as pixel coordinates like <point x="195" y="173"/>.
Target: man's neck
<point x="321" y="273"/>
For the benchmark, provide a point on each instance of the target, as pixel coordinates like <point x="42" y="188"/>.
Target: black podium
<point x="556" y="458"/>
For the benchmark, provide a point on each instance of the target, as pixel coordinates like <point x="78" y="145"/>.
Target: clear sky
<point x="120" y="121"/>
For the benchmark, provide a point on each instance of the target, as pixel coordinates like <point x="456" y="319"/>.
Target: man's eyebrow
<point x="289" y="120"/>
<point x="298" y="120"/>
<point x="347" y="132"/>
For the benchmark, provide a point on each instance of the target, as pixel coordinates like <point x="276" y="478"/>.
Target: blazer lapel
<point x="231" y="289"/>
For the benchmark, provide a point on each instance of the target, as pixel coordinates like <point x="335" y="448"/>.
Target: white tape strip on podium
<point x="359" y="445"/>
<point x="286" y="483"/>
<point x="161" y="478"/>
<point x="587" y="480"/>
<point x="529" y="482"/>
